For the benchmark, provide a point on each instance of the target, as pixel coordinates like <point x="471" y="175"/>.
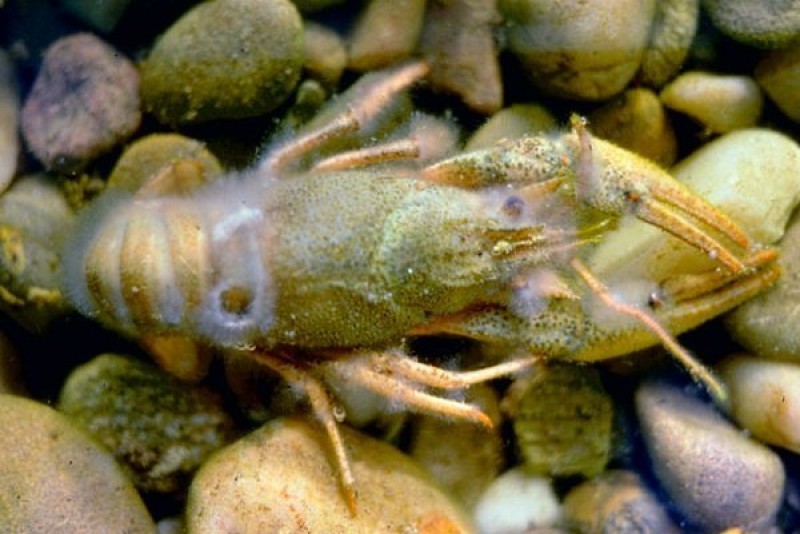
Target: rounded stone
<point x="766" y="325"/>
<point x="325" y="54"/>
<point x="9" y="121"/>
<point x="280" y="478"/>
<point x="616" y="501"/>
<point x="84" y="101"/>
<point x="35" y="222"/>
<point x="517" y="502"/>
<point x="765" y="398"/>
<point x="159" y="429"/>
<point x="715" y="475"/>
<point x="637" y="120"/>
<point x="512" y="122"/>
<point x="579" y="49"/>
<point x="671" y="37"/>
<point x="56" y="479"/>
<point x="721" y="103"/>
<point x="386" y="32"/>
<point x="463" y="457"/>
<point x="778" y="73"/>
<point x="148" y="155"/>
<point x="562" y="421"/>
<point x="224" y="59"/>
<point x="761" y="23"/>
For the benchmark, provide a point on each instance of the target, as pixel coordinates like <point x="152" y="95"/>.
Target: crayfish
<point x="320" y="259"/>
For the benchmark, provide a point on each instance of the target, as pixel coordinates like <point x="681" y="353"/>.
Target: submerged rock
<point x="56" y="479"/>
<point x="280" y="478"/>
<point x="224" y="59"/>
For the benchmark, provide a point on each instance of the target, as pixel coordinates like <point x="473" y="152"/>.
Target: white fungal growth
<point x="191" y="265"/>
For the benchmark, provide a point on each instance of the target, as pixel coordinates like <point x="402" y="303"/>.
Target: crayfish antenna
<point x="699" y="372"/>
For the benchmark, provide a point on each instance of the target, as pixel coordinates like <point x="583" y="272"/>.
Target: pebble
<point x="671" y="36"/>
<point x="721" y="103"/>
<point x="616" y="501"/>
<point x="766" y="324"/>
<point x="459" y="45"/>
<point x="562" y="419"/>
<point x="716" y="476"/>
<point x="9" y="122"/>
<point x="564" y="46"/>
<point x="759" y="23"/>
<point x="387" y="32"/>
<point x="461" y="456"/>
<point x="159" y="429"/>
<point x="249" y="67"/>
<point x="280" y="478"/>
<point x="517" y="503"/>
<point x="778" y="73"/>
<point x="148" y="155"/>
<point x="325" y="53"/>
<point x="35" y="222"/>
<point x="750" y="174"/>
<point x="84" y="101"/>
<point x="512" y="122"/>
<point x="56" y="479"/>
<point x="637" y="120"/>
<point x="764" y="398"/>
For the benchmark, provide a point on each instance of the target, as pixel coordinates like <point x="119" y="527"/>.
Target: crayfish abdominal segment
<point x="314" y="263"/>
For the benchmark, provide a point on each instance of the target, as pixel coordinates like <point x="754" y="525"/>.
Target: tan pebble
<point x="9" y="122"/>
<point x="517" y="503"/>
<point x="721" y="103"/>
<point x="765" y="398"/>
<point x="459" y="45"/>
<point x="159" y="429"/>
<point x="562" y="420"/>
<point x="767" y="324"/>
<point x="84" y="101"/>
<point x="565" y="49"/>
<point x="761" y="23"/>
<point x="325" y="53"/>
<point x="461" y="456"/>
<point x="387" y="31"/>
<point x="636" y="120"/>
<point x="56" y="479"/>
<point x="512" y="122"/>
<point x="699" y="457"/>
<point x="749" y="174"/>
<point x="280" y="478"/>
<point x="616" y="501"/>
<point x="778" y="73"/>
<point x="150" y="154"/>
<point x="249" y="67"/>
<point x="671" y="36"/>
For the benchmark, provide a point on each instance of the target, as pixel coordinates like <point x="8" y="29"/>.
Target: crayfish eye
<point x="513" y="206"/>
<point x="236" y="300"/>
